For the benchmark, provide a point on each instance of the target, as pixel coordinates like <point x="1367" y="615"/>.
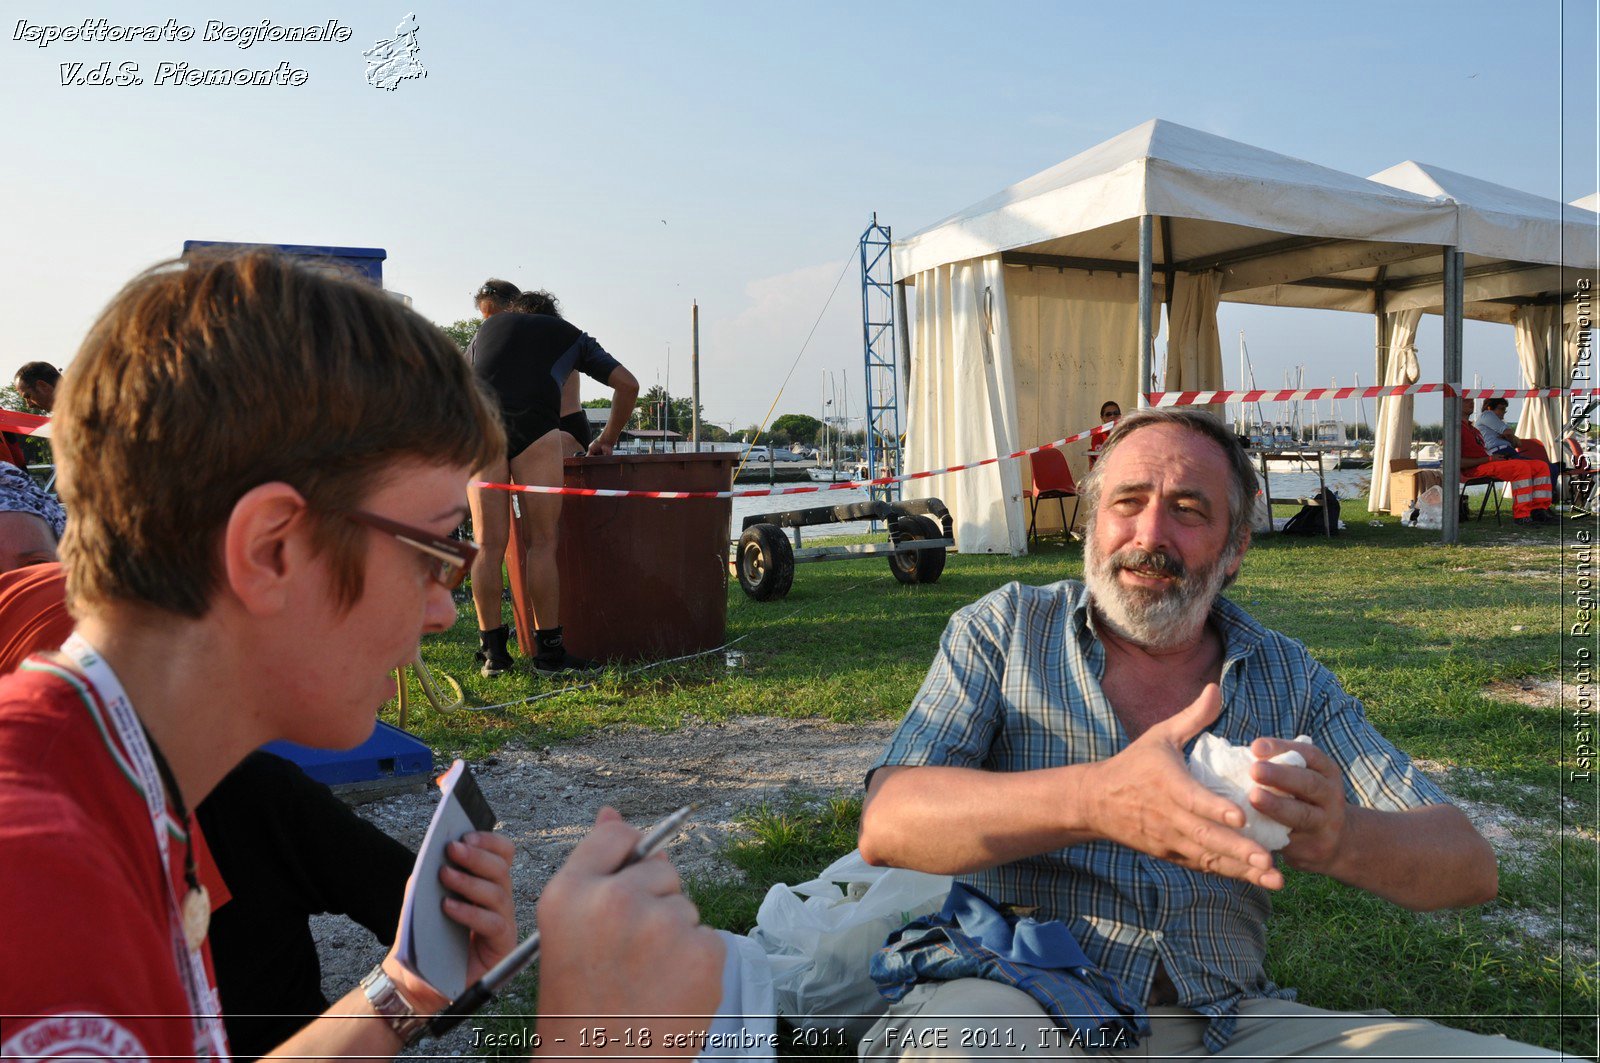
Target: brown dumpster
<point x="641" y="578"/>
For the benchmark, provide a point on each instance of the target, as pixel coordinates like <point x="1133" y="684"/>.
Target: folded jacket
<point x="971" y="938"/>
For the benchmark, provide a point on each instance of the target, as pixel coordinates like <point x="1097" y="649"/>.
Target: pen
<point x="483" y="990"/>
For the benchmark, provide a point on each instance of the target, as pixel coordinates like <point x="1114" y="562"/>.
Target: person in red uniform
<point x="324" y="435"/>
<point x="1529" y="480"/>
<point x="1110" y="413"/>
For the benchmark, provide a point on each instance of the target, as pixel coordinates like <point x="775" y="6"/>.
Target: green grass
<point x="1417" y="631"/>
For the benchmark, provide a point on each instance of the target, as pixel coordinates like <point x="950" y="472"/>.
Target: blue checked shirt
<point x="1016" y="687"/>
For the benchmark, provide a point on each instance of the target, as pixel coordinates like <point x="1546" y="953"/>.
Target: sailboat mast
<point x="1240" y="427"/>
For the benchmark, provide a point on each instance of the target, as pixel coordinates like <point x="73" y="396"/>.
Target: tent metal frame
<point x="879" y="296"/>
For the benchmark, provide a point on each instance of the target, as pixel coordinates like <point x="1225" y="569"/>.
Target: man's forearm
<point x="624" y="393"/>
<point x="1422" y="858"/>
<point x="951" y="821"/>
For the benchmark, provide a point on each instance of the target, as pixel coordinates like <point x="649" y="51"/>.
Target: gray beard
<point x="1163" y="618"/>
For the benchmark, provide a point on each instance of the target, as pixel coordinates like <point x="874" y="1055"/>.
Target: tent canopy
<point x="1520" y="247"/>
<point x="1264" y="219"/>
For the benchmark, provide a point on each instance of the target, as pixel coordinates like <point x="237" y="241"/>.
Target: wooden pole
<point x="694" y="374"/>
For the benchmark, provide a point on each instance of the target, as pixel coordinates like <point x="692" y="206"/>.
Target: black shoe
<point x="492" y="655"/>
<point x="1524" y="522"/>
<point x="1544" y="516"/>
<point x="494" y="663"/>
<point x="565" y="665"/>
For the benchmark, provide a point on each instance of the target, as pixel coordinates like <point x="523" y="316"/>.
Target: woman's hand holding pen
<point x="621" y="947"/>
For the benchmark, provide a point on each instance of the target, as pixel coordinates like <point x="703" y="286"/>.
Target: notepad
<point x="430" y="943"/>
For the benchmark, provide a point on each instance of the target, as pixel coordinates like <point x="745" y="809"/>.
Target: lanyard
<point x="205" y="1009"/>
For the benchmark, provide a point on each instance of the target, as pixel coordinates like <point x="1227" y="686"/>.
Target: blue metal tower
<point x="878" y="342"/>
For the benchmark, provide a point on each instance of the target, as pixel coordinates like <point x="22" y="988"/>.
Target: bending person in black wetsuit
<point x="573" y="421"/>
<point x="524" y="360"/>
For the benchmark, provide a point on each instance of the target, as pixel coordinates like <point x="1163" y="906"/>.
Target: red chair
<point x="1052" y="479"/>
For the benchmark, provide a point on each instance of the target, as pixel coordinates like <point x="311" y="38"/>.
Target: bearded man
<point x="1043" y="763"/>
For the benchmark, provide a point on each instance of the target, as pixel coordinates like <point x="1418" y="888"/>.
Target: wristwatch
<point x="392" y="1005"/>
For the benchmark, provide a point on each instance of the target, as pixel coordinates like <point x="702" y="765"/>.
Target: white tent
<point x="1588" y="202"/>
<point x="1027" y="303"/>
<point x="1524" y="257"/>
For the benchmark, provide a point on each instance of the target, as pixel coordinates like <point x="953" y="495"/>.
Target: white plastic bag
<point x="819" y="938"/>
<point x="1428" y="510"/>
<point x="1260" y="514"/>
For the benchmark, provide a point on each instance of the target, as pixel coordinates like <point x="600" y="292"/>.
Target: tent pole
<point x="1450" y="526"/>
<point x="1146" y="279"/>
<point x="902" y="336"/>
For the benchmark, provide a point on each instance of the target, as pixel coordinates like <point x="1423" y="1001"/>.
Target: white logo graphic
<point x="72" y="1035"/>
<point x="395" y="60"/>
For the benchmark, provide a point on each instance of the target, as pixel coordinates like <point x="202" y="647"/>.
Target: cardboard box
<point x="1406" y="484"/>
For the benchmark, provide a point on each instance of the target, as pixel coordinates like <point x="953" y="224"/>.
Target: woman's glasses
<point x="453" y="556"/>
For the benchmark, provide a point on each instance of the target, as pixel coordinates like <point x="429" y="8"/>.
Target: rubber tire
<point x="765" y="562"/>
<point x="924" y="566"/>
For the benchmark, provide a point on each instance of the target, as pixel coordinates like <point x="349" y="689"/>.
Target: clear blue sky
<point x="634" y="156"/>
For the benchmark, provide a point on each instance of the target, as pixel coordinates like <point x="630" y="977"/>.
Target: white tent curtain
<point x="1541" y="368"/>
<point x="1194" y="348"/>
<point x="962" y="406"/>
<point x="1393" y="436"/>
<point x="1074" y="346"/>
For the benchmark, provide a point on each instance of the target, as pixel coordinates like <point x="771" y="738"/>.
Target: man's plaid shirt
<point x="1016" y="687"/>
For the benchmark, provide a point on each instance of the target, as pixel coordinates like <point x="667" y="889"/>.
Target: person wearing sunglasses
<point x="525" y="360"/>
<point x="264" y="466"/>
<point x="1110" y="413"/>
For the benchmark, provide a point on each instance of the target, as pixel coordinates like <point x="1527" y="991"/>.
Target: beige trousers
<point x="975" y="1019"/>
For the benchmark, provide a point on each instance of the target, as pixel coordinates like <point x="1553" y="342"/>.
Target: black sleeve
<point x="276" y="831"/>
<point x="594" y="361"/>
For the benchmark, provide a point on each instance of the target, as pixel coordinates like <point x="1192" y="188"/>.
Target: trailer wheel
<point x="766" y="562"/>
<point x="923" y="566"/>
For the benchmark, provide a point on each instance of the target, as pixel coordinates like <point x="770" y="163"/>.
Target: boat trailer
<point x="919" y="535"/>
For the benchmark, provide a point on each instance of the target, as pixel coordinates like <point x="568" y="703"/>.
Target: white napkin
<point x="1224" y="769"/>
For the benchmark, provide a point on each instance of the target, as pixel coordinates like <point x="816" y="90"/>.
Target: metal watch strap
<point x="392" y="1005"/>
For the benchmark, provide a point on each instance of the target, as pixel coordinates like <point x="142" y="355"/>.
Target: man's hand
<point x="599" y="448"/>
<point x="1145" y="798"/>
<point x="1311" y="804"/>
<point x="620" y="945"/>
<point x="481" y="883"/>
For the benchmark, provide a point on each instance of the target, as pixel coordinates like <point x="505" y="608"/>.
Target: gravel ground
<point x="547" y="798"/>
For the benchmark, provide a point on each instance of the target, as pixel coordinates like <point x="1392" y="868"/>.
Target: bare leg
<point x="540" y="465"/>
<point x="491" y="523"/>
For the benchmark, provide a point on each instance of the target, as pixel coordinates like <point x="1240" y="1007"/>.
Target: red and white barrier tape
<point x="1204" y="398"/>
<point x="597" y="492"/>
<point x="28" y="424"/>
<point x="34" y="424"/>
<point x="1525" y="393"/>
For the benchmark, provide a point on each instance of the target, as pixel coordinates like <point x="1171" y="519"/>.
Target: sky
<point x="635" y="157"/>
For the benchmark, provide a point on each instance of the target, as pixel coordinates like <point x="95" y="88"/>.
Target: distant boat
<point x="829" y="476"/>
<point x="1301" y="460"/>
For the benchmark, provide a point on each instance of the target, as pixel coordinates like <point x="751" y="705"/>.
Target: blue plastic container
<point x="367" y="261"/>
<point x="389" y="754"/>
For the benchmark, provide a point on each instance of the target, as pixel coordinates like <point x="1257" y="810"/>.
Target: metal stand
<point x="878" y="345"/>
